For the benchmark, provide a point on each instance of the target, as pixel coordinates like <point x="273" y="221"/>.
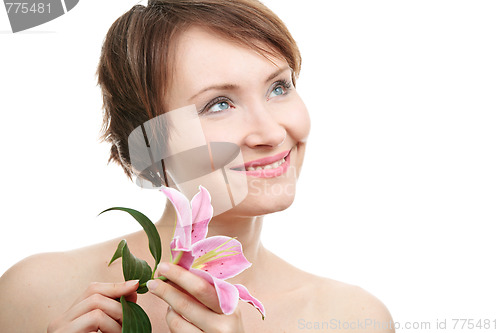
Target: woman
<point x="237" y="64"/>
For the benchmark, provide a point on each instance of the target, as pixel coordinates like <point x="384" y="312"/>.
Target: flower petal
<point x="230" y="260"/>
<point x="183" y="211"/>
<point x="202" y="212"/>
<point x="245" y="296"/>
<point x="226" y="292"/>
<point x="184" y="259"/>
<point x="182" y="239"/>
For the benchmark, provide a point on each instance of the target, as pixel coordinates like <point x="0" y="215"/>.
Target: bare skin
<point x="77" y="293"/>
<point x="292" y="297"/>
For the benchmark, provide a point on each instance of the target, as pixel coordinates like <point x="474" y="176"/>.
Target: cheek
<point x="292" y="115"/>
<point x="297" y="121"/>
<point x="225" y="130"/>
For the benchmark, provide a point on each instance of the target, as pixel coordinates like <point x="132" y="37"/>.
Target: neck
<point x="246" y="230"/>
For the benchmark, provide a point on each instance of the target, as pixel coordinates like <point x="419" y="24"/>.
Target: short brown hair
<point x="134" y="64"/>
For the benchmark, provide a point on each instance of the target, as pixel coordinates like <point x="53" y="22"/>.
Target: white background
<point x="400" y="192"/>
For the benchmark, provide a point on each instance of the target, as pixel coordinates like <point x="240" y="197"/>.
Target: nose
<point x="264" y="130"/>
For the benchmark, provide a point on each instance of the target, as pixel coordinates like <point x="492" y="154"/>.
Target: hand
<point x="194" y="305"/>
<point x="96" y="310"/>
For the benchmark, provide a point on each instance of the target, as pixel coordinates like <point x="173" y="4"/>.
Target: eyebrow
<point x="229" y="86"/>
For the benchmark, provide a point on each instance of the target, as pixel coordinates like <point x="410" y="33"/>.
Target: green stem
<point x="159" y="278"/>
<point x="154" y="271"/>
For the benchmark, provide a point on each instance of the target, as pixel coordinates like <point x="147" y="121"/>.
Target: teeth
<point x="267" y="167"/>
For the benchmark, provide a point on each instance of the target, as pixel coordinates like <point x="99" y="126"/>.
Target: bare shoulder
<point x="344" y="306"/>
<point x="42" y="285"/>
<point x="27" y="290"/>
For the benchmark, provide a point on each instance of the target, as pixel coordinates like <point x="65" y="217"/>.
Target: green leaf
<point x="135" y="268"/>
<point x="135" y="320"/>
<point x="149" y="228"/>
<point x="118" y="252"/>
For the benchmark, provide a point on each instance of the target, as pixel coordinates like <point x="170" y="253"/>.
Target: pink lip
<point x="266" y="173"/>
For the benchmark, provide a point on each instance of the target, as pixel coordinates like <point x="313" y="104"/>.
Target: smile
<point x="267" y="167"/>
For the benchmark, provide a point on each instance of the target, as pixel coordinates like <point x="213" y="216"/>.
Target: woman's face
<point x="243" y="98"/>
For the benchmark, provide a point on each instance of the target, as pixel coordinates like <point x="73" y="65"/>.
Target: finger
<point x="184" y="305"/>
<point x="176" y="323"/>
<point x="94" y="321"/>
<point x="131" y="297"/>
<point x="96" y="302"/>
<point x="102" y="296"/>
<point x="196" y="286"/>
<point x="111" y="290"/>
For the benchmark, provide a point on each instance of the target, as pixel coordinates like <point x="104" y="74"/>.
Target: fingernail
<point x="163" y="267"/>
<point x="131" y="283"/>
<point x="152" y="284"/>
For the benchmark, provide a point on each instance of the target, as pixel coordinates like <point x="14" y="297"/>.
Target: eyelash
<point x="287" y="85"/>
<point x="282" y="83"/>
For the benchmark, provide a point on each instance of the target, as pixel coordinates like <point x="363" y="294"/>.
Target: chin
<point x="273" y="206"/>
<point x="258" y="203"/>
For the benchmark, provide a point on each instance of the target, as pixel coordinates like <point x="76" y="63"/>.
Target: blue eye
<point x="281" y="88"/>
<point x="278" y="91"/>
<point x="219" y="107"/>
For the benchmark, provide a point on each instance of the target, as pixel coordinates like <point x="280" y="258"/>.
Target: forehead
<point x="203" y="58"/>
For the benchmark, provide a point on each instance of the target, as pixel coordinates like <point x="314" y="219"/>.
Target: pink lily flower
<point x="214" y="259"/>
